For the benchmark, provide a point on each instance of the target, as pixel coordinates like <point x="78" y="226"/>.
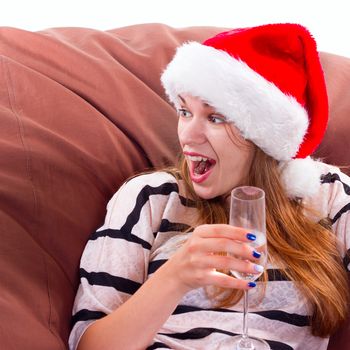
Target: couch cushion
<point x="80" y="111"/>
<point x="336" y="143"/>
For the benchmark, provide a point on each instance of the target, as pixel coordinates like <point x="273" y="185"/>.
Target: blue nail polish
<point x="251" y="236"/>
<point x="251" y="284"/>
<point x="256" y="254"/>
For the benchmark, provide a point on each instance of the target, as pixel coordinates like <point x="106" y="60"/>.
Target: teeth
<point x="197" y="158"/>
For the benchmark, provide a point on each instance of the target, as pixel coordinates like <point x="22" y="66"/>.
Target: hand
<point x="195" y="264"/>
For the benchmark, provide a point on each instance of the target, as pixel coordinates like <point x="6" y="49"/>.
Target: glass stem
<point x="245" y="342"/>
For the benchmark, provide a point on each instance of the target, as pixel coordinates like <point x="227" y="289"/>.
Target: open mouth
<point x="200" y="167"/>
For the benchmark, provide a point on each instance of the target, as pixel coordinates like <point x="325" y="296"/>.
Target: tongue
<point x="201" y="168"/>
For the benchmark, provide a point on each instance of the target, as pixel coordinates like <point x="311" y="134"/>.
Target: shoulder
<point x="145" y="185"/>
<point x="153" y="179"/>
<point x="334" y="181"/>
<point x="144" y="195"/>
<point x="334" y="191"/>
<point x="159" y="182"/>
<point x="333" y="175"/>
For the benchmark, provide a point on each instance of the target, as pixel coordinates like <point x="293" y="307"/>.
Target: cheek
<point x="179" y="132"/>
<point x="237" y="161"/>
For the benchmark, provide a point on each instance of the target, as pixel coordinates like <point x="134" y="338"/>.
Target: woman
<point x="252" y="107"/>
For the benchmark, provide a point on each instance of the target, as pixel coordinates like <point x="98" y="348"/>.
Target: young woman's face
<point x="217" y="161"/>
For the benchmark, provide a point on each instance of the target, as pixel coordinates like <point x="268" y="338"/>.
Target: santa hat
<point x="269" y="82"/>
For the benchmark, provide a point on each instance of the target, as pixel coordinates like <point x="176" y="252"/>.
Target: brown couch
<point x="80" y="111"/>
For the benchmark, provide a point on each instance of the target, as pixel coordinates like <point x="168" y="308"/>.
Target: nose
<point x="191" y="131"/>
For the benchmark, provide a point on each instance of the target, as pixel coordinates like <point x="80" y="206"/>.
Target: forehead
<point x="190" y="100"/>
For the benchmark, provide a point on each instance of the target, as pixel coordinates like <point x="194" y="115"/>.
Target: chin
<point x="206" y="194"/>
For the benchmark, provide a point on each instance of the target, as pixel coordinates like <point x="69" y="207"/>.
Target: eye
<point x="184" y="113"/>
<point x="217" y="119"/>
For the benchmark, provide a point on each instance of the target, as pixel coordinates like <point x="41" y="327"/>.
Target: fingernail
<point x="256" y="254"/>
<point x="258" y="268"/>
<point x="251" y="284"/>
<point x="251" y="236"/>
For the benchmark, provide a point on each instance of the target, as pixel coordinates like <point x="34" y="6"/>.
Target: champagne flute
<point x="248" y="211"/>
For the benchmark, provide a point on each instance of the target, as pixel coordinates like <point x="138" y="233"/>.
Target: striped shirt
<point x="144" y="225"/>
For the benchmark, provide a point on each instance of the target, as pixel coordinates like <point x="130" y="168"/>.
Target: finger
<point x="225" y="231"/>
<point x="222" y="280"/>
<point x="216" y="245"/>
<point x="229" y="263"/>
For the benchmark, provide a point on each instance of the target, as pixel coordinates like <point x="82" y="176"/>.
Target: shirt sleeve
<point x="115" y="260"/>
<point x="339" y="210"/>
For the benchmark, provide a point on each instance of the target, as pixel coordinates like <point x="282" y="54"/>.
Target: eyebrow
<point x="183" y="101"/>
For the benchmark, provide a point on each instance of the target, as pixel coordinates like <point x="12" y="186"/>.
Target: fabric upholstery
<point x="80" y="111"/>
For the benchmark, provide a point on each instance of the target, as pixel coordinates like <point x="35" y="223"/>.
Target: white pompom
<point x="301" y="177"/>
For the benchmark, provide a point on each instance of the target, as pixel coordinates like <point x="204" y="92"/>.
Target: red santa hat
<point x="269" y="82"/>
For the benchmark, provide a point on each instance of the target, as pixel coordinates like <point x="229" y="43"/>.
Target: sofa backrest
<point x="80" y="111"/>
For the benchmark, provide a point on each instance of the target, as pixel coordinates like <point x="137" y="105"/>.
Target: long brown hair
<point x="305" y="251"/>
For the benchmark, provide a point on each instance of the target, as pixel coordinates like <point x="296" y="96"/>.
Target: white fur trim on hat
<point x="275" y="122"/>
<point x="301" y="177"/>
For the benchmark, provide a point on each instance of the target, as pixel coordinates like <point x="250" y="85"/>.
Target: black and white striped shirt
<point x="143" y="227"/>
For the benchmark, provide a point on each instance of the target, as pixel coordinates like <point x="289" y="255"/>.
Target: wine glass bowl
<point x="259" y="246"/>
